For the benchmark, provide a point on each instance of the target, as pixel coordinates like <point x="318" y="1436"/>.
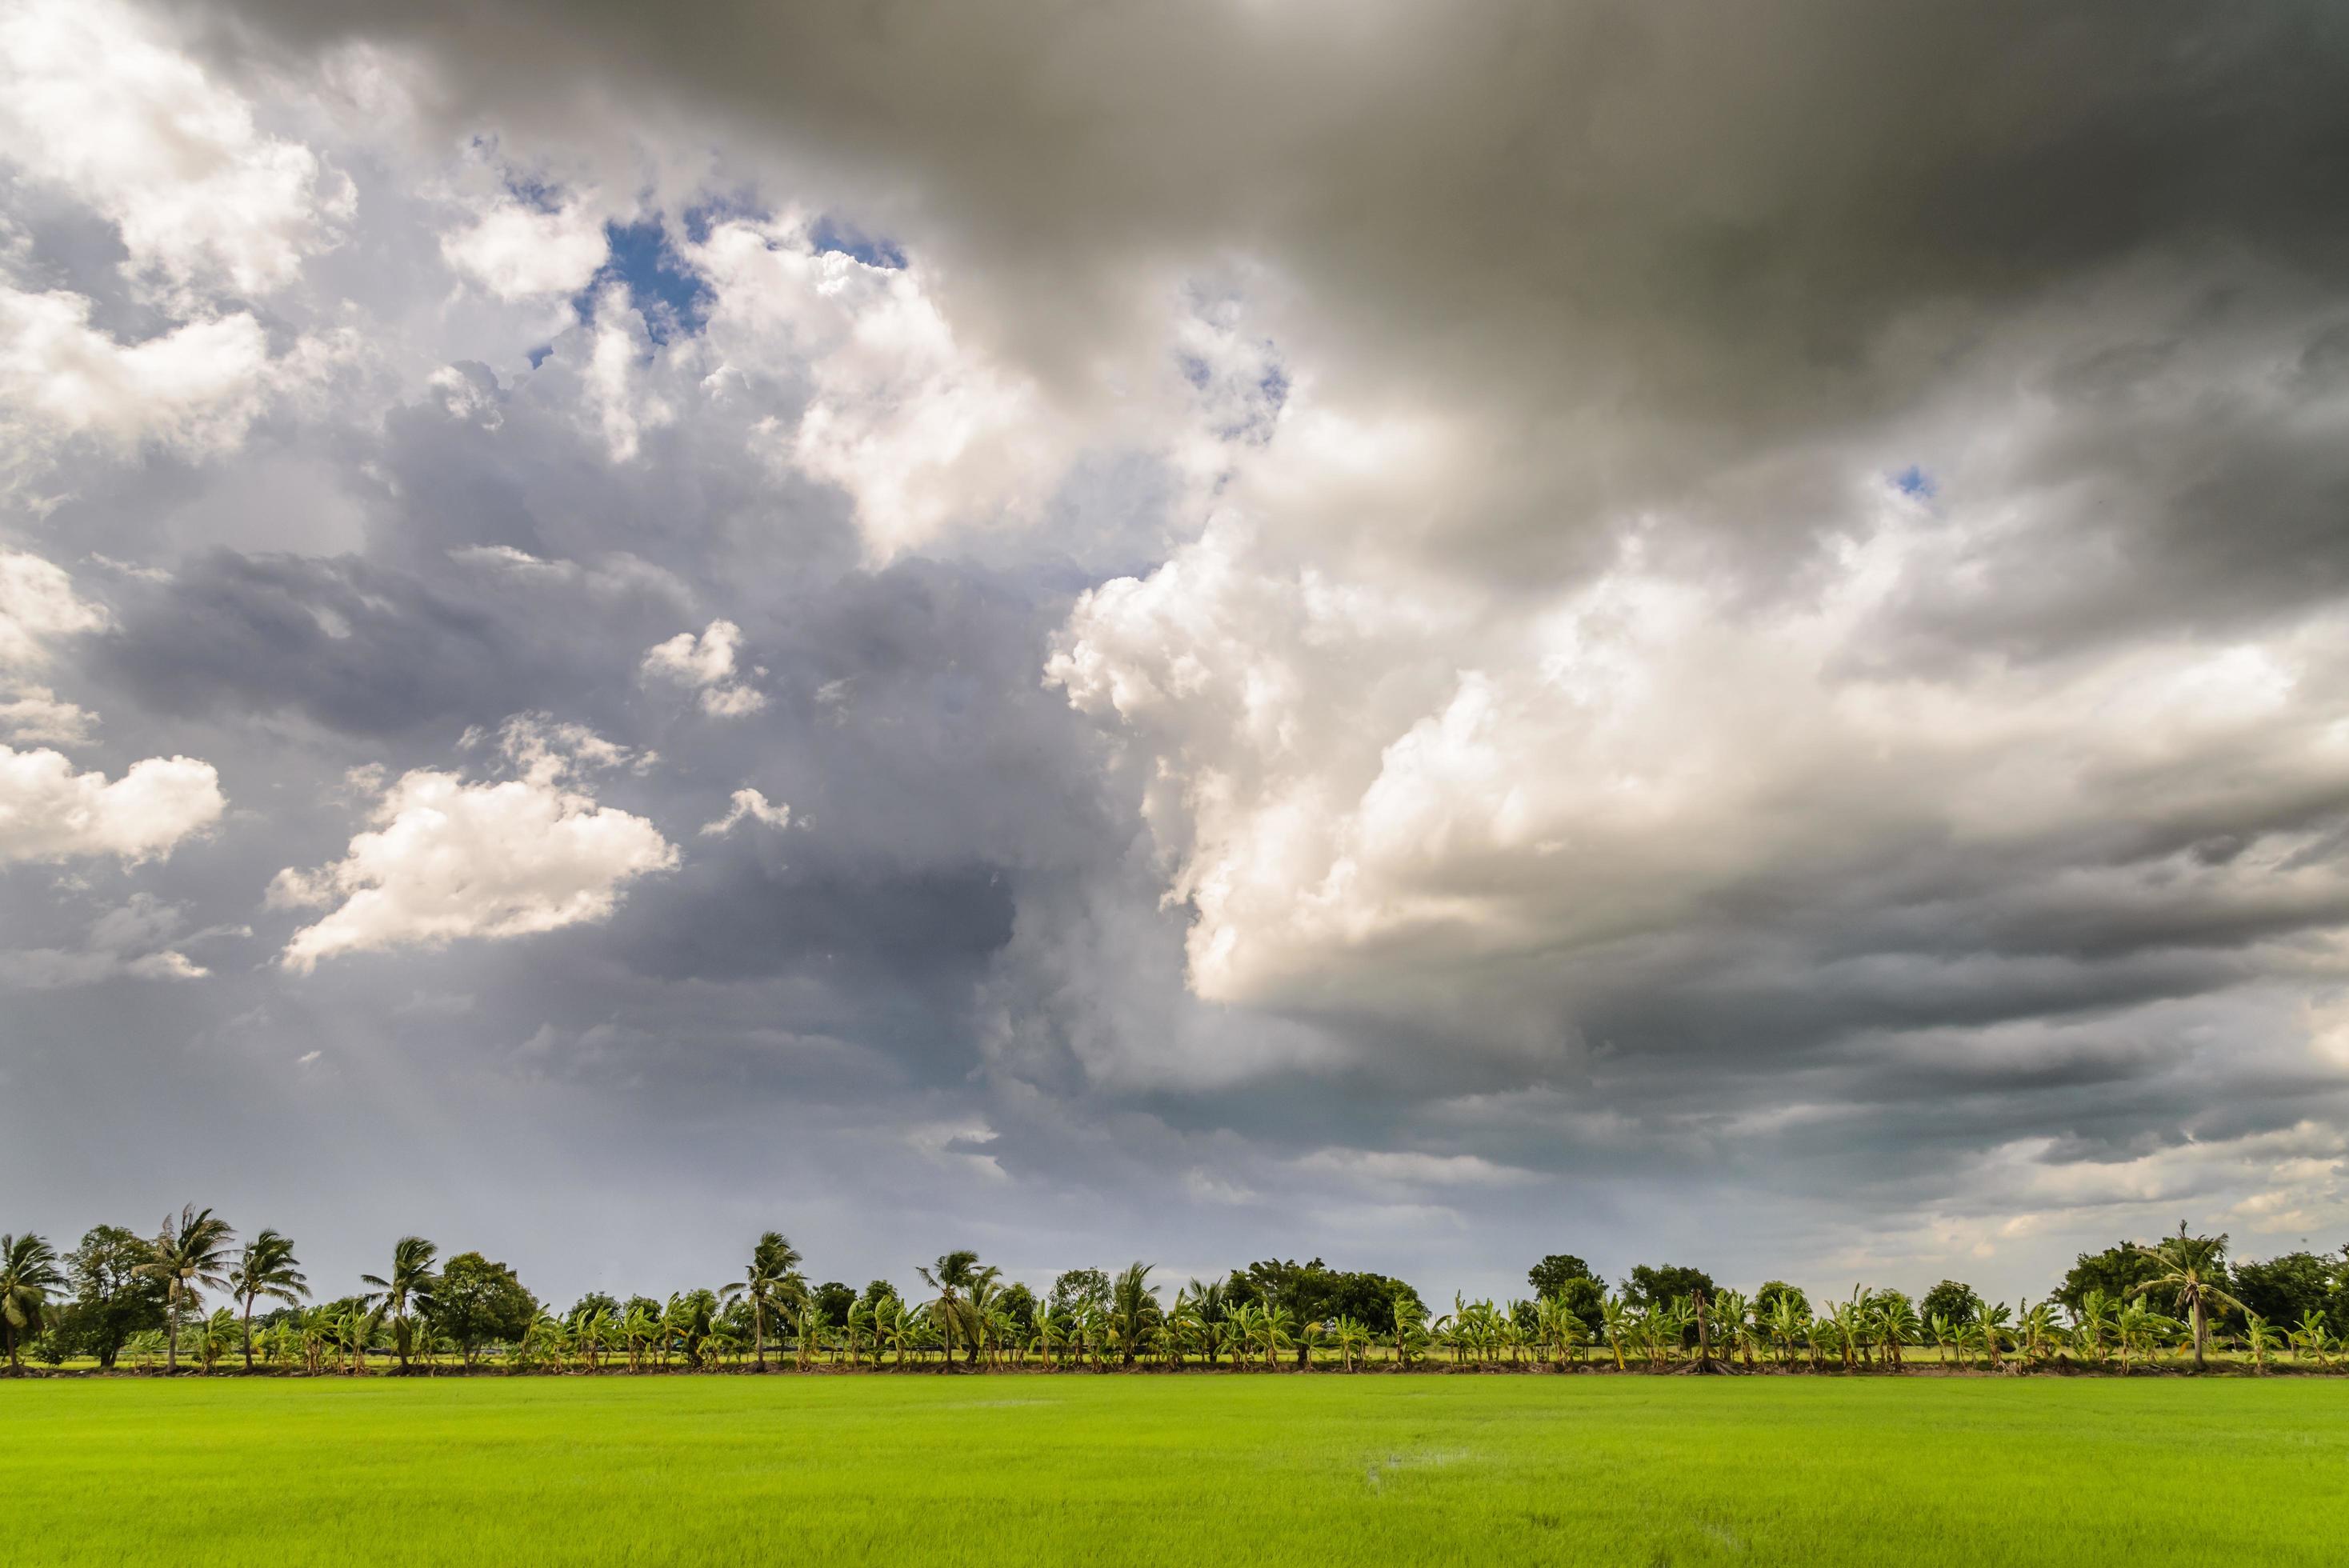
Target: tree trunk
<point x="171" y="1335"/>
<point x="248" y="1334"/>
<point x="2201" y="1332"/>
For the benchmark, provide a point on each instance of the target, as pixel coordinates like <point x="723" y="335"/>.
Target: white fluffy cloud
<point x="49" y="812"/>
<point x="518" y="252"/>
<point x="749" y="805"/>
<point x="93" y="100"/>
<point x="449" y="860"/>
<point x="1367" y="781"/>
<point x="705" y="662"/>
<point x="194" y="388"/>
<point x="38" y="605"/>
<point x="923" y="431"/>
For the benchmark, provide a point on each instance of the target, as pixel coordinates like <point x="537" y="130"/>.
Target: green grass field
<point x="1089" y="1469"/>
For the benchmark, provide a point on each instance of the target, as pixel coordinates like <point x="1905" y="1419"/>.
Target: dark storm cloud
<point x="1729" y="222"/>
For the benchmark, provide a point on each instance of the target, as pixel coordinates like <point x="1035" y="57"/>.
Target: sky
<point x="1425" y="634"/>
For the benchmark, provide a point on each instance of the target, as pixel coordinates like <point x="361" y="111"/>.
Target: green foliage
<point x="1773" y="1292"/>
<point x="2116" y="1271"/>
<point x="1080" y="1288"/>
<point x="1649" y="1288"/>
<point x="2289" y="1288"/>
<point x="114" y="1297"/>
<point x="1551" y="1275"/>
<point x="1953" y="1300"/>
<point x="833" y="1300"/>
<point x="190" y="1256"/>
<point x="1316" y="1293"/>
<point x="28" y="1273"/>
<point x="596" y="1302"/>
<point x="1585" y="1297"/>
<point x="480" y="1303"/>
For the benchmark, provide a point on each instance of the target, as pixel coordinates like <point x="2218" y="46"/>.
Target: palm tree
<point x="190" y="1256"/>
<point x="28" y="1272"/>
<point x="267" y="1267"/>
<point x="411" y="1284"/>
<point x="1133" y="1306"/>
<point x="2192" y="1268"/>
<point x="771" y="1277"/>
<point x="951" y="1275"/>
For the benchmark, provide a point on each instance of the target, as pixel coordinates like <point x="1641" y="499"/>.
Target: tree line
<point x="192" y="1297"/>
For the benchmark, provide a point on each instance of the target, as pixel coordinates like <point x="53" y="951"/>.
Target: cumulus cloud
<point x="517" y="251"/>
<point x="704" y="662"/>
<point x="920" y="430"/>
<point x="95" y="100"/>
<point x="48" y="812"/>
<point x="194" y="388"/>
<point x="449" y="860"/>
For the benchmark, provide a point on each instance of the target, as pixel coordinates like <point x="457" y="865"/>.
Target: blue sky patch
<point x="670" y="294"/>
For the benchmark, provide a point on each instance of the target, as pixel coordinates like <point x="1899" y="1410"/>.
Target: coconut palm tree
<point x="950" y="1277"/>
<point x="1133" y="1307"/>
<point x="409" y="1287"/>
<point x="267" y="1267"/>
<point x="28" y="1272"/>
<point x="2193" y="1271"/>
<point x="189" y="1256"/>
<point x="772" y="1278"/>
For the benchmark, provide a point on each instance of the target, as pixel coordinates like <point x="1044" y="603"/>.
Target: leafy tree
<point x="28" y="1272"/>
<point x="267" y="1267"/>
<point x="2287" y="1289"/>
<point x="833" y="1299"/>
<point x="1583" y="1298"/>
<point x="113" y="1295"/>
<point x="2116" y="1271"/>
<point x="479" y="1301"/>
<point x="1650" y="1288"/>
<point x="1550" y="1277"/>
<point x="2193" y="1270"/>
<point x="1773" y="1292"/>
<point x="409" y="1285"/>
<point x="596" y="1302"/>
<point x="189" y="1256"/>
<point x="1020" y="1303"/>
<point x="881" y="1299"/>
<point x="1953" y="1300"/>
<point x="1080" y="1288"/>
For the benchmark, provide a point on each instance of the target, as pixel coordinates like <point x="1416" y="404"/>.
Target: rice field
<point x="1142" y="1469"/>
